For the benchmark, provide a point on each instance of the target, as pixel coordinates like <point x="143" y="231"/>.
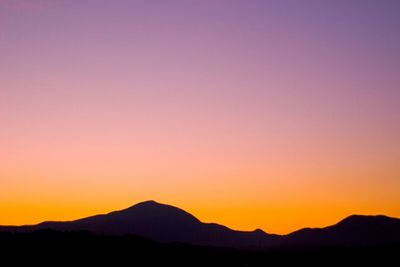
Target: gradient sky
<point x="253" y="114"/>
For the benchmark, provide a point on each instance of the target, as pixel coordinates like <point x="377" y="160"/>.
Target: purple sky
<point x="249" y="96"/>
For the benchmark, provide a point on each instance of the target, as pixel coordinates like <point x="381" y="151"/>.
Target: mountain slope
<point x="354" y="230"/>
<point x="165" y="223"/>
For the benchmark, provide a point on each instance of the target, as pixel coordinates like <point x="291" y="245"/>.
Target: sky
<point x="253" y="114"/>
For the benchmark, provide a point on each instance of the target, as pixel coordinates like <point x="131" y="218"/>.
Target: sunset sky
<point x="252" y="114"/>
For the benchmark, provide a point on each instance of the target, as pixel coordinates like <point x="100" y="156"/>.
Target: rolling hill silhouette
<point x="165" y="223"/>
<point x="355" y="230"/>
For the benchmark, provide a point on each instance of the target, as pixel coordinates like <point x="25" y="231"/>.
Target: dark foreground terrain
<point x="75" y="248"/>
<point x="155" y="234"/>
<point x="168" y="224"/>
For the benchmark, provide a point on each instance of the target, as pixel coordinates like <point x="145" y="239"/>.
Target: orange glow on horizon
<point x="251" y="114"/>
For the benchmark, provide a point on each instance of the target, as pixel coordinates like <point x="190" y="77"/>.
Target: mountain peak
<point x="148" y="203"/>
<point x="356" y="219"/>
<point x="156" y="212"/>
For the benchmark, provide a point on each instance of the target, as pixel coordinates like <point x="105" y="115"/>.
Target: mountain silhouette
<point x="360" y="230"/>
<point x="165" y="223"/>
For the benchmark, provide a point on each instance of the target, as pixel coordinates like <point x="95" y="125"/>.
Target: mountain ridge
<point x="167" y="223"/>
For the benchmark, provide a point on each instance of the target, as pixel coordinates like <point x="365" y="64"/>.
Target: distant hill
<point x="165" y="223"/>
<point x="360" y="230"/>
